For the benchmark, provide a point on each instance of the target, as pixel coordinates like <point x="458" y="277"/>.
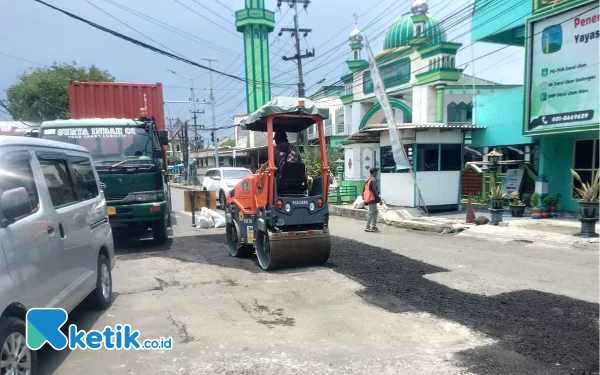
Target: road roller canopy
<point x="304" y="108"/>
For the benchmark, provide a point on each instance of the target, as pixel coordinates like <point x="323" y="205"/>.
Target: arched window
<point x="461" y="113"/>
<point x="356" y="55"/>
<point x="452" y="62"/>
<point x="430" y="64"/>
<point x="419" y="30"/>
<point x="445" y="61"/>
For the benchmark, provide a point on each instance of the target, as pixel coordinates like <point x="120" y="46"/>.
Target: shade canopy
<point x="257" y="120"/>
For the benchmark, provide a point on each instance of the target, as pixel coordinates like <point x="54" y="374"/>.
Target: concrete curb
<point x="354" y="213"/>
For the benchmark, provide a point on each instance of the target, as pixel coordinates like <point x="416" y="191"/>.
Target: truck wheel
<point x="101" y="297"/>
<point x="15" y="356"/>
<point x="159" y="231"/>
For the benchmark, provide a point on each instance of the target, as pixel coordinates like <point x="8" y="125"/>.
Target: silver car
<point x="56" y="245"/>
<point x="223" y="180"/>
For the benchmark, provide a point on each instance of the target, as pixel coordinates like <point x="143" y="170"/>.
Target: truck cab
<point x="129" y="157"/>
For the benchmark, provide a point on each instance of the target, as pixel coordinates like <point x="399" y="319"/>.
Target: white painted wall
<point x="352" y="172"/>
<point x="397" y="189"/>
<point x="439" y="188"/>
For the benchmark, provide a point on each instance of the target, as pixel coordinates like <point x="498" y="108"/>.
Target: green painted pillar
<point x="440" y="103"/>
<point x="256" y="23"/>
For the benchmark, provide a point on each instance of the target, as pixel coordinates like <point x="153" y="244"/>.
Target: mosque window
<point x="419" y="30"/>
<point x="459" y="113"/>
<point x="452" y="62"/>
<point x="356" y="55"/>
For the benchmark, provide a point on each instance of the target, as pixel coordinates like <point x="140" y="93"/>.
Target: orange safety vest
<point x="368" y="196"/>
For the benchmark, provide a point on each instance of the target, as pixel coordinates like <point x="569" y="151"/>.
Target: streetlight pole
<point x="212" y="111"/>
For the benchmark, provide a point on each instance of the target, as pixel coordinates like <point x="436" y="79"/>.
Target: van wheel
<point x="101" y="297"/>
<point x="159" y="231"/>
<point x="15" y="356"/>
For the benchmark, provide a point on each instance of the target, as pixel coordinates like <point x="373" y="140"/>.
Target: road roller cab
<point x="275" y="212"/>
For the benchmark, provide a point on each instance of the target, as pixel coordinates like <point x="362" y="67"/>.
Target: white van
<point x="56" y="245"/>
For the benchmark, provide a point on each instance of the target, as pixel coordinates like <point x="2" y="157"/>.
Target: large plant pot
<point x="588" y="210"/>
<point x="536" y="213"/>
<point x="553" y="211"/>
<point x="516" y="210"/>
<point x="497" y="203"/>
<point x="545" y="212"/>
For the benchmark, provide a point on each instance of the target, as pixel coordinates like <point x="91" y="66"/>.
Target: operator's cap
<point x="280" y="136"/>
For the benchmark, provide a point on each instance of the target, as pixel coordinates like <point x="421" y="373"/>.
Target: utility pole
<point x="186" y="152"/>
<point x="298" y="56"/>
<point x="195" y="117"/>
<point x="212" y="110"/>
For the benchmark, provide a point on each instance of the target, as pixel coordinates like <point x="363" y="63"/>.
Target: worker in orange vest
<point x="371" y="198"/>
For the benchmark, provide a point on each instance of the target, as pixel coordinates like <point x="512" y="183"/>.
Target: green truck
<point x="131" y="162"/>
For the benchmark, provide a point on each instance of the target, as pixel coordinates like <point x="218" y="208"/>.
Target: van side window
<point x="15" y="172"/>
<point x="84" y="179"/>
<point x="58" y="181"/>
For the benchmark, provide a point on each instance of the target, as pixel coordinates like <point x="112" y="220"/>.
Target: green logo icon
<point x="245" y="186"/>
<point x="552" y="38"/>
<point x="544" y="72"/>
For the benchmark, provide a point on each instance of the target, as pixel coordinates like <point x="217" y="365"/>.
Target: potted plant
<point x="536" y="211"/>
<point x="497" y="197"/>
<point x="517" y="207"/>
<point x="549" y="202"/>
<point x="587" y="195"/>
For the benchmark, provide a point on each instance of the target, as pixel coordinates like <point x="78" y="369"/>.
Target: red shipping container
<point x="116" y="100"/>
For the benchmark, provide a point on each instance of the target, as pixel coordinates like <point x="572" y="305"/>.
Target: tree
<point x="311" y="158"/>
<point x="174" y="160"/>
<point x="42" y="93"/>
<point x="229" y="142"/>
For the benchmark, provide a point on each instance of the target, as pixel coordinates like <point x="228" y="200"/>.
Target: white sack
<point x="204" y="222"/>
<point x="218" y="219"/>
<point x="359" y="203"/>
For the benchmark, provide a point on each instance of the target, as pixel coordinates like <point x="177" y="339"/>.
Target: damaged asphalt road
<point x="369" y="310"/>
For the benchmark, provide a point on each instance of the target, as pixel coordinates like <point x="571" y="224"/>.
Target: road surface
<point x="396" y="302"/>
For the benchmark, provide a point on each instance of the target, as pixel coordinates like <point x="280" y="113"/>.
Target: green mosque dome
<point x="401" y="31"/>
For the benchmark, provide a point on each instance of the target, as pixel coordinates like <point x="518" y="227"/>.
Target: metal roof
<point x="30" y="141"/>
<point x="467" y="80"/>
<point x="384" y="127"/>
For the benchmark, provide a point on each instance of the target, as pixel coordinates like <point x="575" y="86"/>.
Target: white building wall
<point x="430" y="184"/>
<point x="397" y="189"/>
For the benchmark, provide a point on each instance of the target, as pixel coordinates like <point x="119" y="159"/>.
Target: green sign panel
<point x="563" y="84"/>
<point x="541" y="5"/>
<point x="245" y="186"/>
<point x="394" y="74"/>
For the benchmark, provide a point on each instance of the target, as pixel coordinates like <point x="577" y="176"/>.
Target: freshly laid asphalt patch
<point x="547" y="333"/>
<point x="537" y="332"/>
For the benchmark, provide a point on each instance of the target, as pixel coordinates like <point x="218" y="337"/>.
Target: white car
<point x="56" y="244"/>
<point x="223" y="180"/>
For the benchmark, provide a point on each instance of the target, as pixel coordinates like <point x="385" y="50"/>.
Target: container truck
<point x="122" y="125"/>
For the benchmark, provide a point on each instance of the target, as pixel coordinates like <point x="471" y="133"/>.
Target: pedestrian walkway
<point x="559" y="231"/>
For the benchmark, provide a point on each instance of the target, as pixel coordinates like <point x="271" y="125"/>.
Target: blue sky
<point x="206" y="29"/>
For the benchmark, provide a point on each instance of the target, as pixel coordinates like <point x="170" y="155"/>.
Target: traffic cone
<point x="470" y="213"/>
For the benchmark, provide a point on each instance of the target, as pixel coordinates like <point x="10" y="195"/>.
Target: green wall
<point x="556" y="161"/>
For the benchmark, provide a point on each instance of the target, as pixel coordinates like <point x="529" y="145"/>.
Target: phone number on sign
<point x="579" y="116"/>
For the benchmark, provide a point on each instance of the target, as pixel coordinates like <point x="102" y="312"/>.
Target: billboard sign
<point x="563" y="71"/>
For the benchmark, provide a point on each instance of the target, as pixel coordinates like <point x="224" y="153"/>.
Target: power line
<point x="450" y="26"/>
<point x="130" y="27"/>
<point x="206" y="18"/>
<point x="225" y="6"/>
<point x="147" y="46"/>
<point x="171" y="28"/>
<point x="22" y="59"/>
<point x="213" y="12"/>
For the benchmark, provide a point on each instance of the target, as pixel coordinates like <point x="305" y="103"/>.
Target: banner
<point x="379" y="89"/>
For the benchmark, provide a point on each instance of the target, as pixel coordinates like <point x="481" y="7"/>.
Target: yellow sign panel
<point x="241" y="216"/>
<point x="111" y="210"/>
